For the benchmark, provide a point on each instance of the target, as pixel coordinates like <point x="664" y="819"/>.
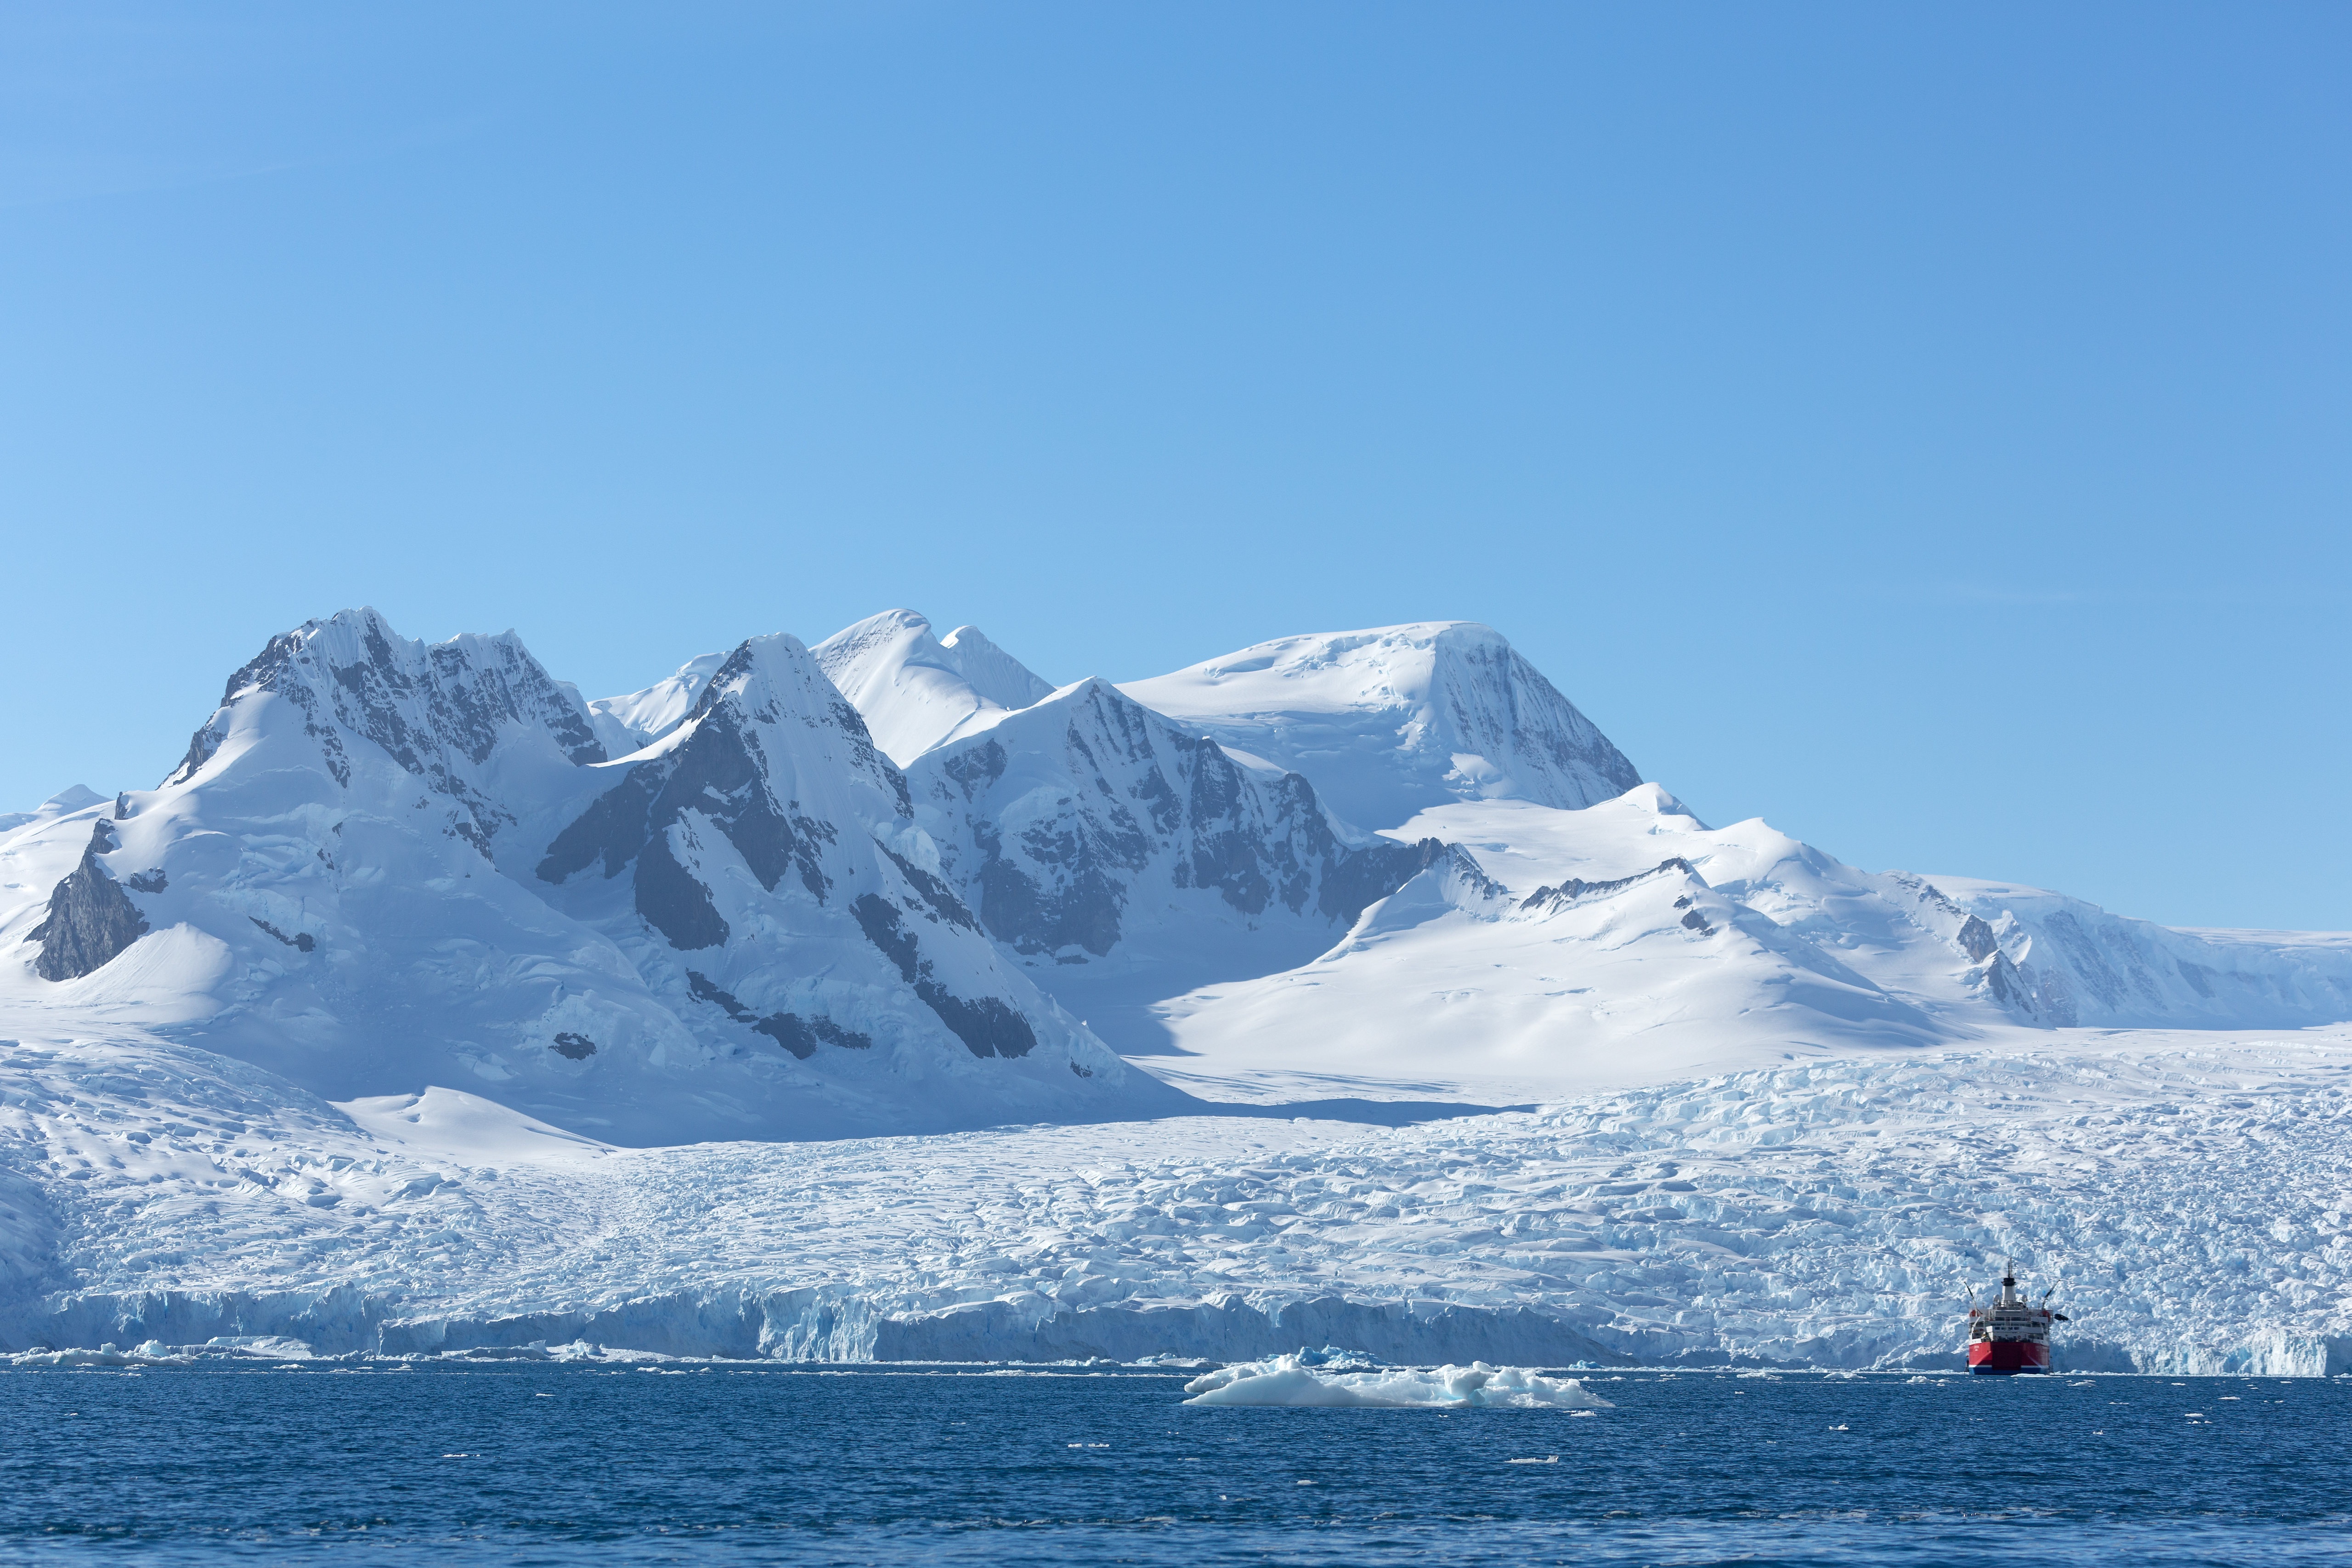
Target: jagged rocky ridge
<point x="382" y="865"/>
<point x="1072" y="821"/>
<point x="718" y="905"/>
<point x="90" y="919"/>
<point x="772" y="810"/>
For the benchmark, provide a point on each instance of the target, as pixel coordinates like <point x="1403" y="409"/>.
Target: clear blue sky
<point x="1929" y="428"/>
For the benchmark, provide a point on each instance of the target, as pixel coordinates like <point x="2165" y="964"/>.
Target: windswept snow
<point x="916" y="691"/>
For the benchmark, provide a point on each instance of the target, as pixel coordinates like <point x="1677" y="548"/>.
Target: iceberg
<point x="1294" y="1380"/>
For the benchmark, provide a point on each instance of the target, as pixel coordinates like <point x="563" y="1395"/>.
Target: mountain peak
<point x="1389" y="721"/>
<point x="915" y="689"/>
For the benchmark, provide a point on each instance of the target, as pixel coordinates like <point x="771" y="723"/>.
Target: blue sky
<point x="1927" y="429"/>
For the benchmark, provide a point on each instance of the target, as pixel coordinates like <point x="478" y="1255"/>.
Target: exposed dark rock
<point x="987" y="1026"/>
<point x="718" y="773"/>
<point x="706" y="990"/>
<point x="1575" y="887"/>
<point x="578" y="1047"/>
<point x="91" y="920"/>
<point x="425" y="716"/>
<point x="977" y="768"/>
<point x="863" y="753"/>
<point x="797" y="1035"/>
<point x="1698" y="922"/>
<point x="1976" y="940"/>
<point x="1363" y="877"/>
<point x="1083" y="911"/>
<point x="944" y="904"/>
<point x="1146" y="800"/>
<point x="2005" y="983"/>
<point x="802" y="1036"/>
<point x="302" y="940"/>
<point x="880" y="922"/>
<point x="673" y="902"/>
<point x="149" y="881"/>
<point x="612" y="829"/>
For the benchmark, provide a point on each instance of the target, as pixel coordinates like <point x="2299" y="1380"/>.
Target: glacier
<point x="878" y="999"/>
<point x="2192" y="1203"/>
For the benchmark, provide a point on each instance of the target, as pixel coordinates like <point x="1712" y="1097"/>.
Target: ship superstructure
<point x="2012" y="1335"/>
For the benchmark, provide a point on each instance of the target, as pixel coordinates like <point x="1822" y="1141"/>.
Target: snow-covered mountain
<point x="1796" y="1104"/>
<point x="372" y="872"/>
<point x="1086" y="828"/>
<point x="915" y="690"/>
<point x="1390" y="722"/>
<point x="74" y="797"/>
<point x="717" y="905"/>
<point x="761" y="862"/>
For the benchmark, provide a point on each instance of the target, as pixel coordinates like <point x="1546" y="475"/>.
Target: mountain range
<point x="897" y="882"/>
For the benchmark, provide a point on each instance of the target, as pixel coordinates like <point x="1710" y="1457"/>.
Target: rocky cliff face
<point x="440" y="712"/>
<point x="773" y="849"/>
<point x="90" y="919"/>
<point x="1073" y="824"/>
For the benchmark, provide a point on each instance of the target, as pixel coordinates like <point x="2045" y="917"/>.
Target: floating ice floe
<point x="1291" y="1380"/>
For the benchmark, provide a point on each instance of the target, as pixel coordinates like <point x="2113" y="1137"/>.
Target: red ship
<point x="2013" y="1335"/>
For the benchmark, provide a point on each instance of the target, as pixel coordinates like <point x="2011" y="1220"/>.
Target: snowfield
<point x="2191" y="1201"/>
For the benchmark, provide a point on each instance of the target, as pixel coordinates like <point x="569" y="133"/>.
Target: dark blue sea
<point x="552" y="1465"/>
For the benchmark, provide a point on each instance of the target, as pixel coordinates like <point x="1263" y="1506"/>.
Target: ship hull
<point x="2006" y="1358"/>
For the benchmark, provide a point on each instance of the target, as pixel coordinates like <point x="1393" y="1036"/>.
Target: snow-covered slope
<point x="1630" y="942"/>
<point x="633" y="722"/>
<point x="341" y="882"/>
<point x="2191" y="1200"/>
<point x="74" y="797"/>
<point x="915" y="690"/>
<point x="1388" y="721"/>
<point x="2088" y="966"/>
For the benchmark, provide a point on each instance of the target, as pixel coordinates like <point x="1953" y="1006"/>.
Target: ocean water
<point x="549" y="1465"/>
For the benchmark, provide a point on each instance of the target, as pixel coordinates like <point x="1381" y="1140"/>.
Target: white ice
<point x="1287" y="1380"/>
<point x="2190" y="1199"/>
